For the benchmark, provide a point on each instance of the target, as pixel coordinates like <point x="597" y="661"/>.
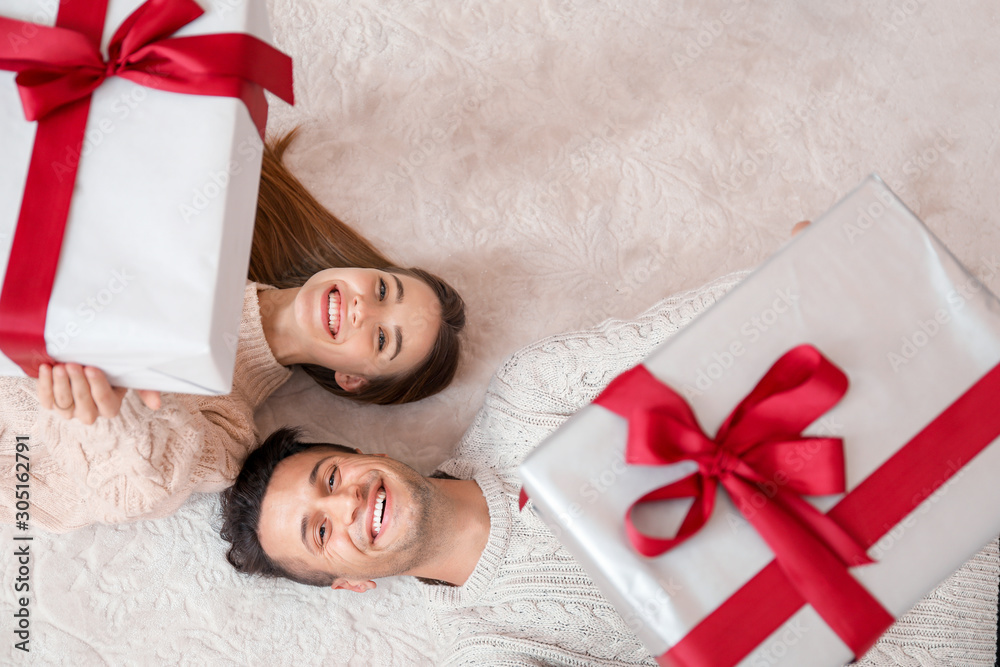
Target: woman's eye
<point x="381" y="290"/>
<point x="381" y="340"/>
<point x="333" y="475"/>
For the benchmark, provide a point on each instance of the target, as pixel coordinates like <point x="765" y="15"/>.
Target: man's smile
<point x="379" y="513"/>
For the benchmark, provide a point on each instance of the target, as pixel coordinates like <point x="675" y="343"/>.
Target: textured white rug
<point x="561" y="162"/>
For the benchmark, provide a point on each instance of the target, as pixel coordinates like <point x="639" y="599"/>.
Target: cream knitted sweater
<point x="528" y="602"/>
<point x="141" y="464"/>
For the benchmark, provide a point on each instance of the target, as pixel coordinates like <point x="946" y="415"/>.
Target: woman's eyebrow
<point x="399" y="290"/>
<point x="399" y="342"/>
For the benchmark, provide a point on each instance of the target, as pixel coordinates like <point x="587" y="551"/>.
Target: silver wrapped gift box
<point x="918" y="337"/>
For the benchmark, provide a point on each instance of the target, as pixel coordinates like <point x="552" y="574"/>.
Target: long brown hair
<point x="295" y="237"/>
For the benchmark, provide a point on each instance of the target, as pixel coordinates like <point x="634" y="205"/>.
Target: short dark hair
<point x="241" y="508"/>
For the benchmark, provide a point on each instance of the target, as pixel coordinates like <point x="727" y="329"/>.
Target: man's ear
<point x="350" y="383"/>
<point x="357" y="586"/>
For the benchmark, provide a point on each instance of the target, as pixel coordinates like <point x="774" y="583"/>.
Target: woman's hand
<point x="83" y="392"/>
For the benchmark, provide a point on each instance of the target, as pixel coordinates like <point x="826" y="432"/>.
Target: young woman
<point x="322" y="297"/>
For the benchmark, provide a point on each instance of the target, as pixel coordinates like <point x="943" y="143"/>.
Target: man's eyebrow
<point x="399" y="289"/>
<point x="399" y="343"/>
<point x="305" y="519"/>
<point x="305" y="542"/>
<point x="315" y="470"/>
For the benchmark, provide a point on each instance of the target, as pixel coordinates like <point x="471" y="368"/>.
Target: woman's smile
<point x="334" y="310"/>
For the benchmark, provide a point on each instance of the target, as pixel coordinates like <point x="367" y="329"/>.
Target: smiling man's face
<point x="351" y="516"/>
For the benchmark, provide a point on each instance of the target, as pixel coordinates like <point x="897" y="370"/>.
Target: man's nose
<point x="344" y="504"/>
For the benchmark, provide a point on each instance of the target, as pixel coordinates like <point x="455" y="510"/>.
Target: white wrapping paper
<point x="154" y="261"/>
<point x="880" y="297"/>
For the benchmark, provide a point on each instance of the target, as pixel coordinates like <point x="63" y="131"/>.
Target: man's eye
<point x="322" y="535"/>
<point x="333" y="475"/>
<point x="381" y="290"/>
<point x="381" y="340"/>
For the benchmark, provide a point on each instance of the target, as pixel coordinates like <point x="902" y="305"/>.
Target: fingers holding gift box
<point x="83" y="393"/>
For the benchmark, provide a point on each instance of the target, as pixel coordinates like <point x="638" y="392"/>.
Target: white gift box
<point x="879" y="296"/>
<point x="154" y="261"/>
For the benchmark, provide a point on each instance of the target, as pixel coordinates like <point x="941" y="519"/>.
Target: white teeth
<point x="334" y="311"/>
<point x="377" y="518"/>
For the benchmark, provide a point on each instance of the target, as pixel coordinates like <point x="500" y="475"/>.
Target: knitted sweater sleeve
<point x="142" y="463"/>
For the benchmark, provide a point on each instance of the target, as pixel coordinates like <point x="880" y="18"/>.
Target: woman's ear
<point x="350" y="383"/>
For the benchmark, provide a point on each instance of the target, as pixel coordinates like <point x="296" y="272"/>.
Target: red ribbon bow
<point x="61" y="65"/>
<point x="58" y="69"/>
<point x="749" y="457"/>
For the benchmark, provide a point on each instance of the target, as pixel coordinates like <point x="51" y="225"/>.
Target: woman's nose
<point x="359" y="311"/>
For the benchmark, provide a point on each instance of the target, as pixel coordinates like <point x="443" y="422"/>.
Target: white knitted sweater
<point x="529" y="603"/>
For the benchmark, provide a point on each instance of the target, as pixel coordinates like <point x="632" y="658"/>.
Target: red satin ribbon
<point x="58" y="69"/>
<point x="872" y="509"/>
<point x="748" y="458"/>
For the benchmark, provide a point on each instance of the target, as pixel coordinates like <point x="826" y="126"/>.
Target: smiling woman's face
<point x="365" y="322"/>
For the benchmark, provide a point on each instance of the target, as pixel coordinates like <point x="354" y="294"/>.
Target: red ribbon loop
<point x="59" y="66"/>
<point x="761" y="458"/>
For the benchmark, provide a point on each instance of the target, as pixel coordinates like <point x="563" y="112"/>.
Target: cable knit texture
<point x="140" y="464"/>
<point x="529" y="603"/>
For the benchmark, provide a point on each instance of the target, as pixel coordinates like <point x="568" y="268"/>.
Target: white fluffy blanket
<point x="561" y="162"/>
